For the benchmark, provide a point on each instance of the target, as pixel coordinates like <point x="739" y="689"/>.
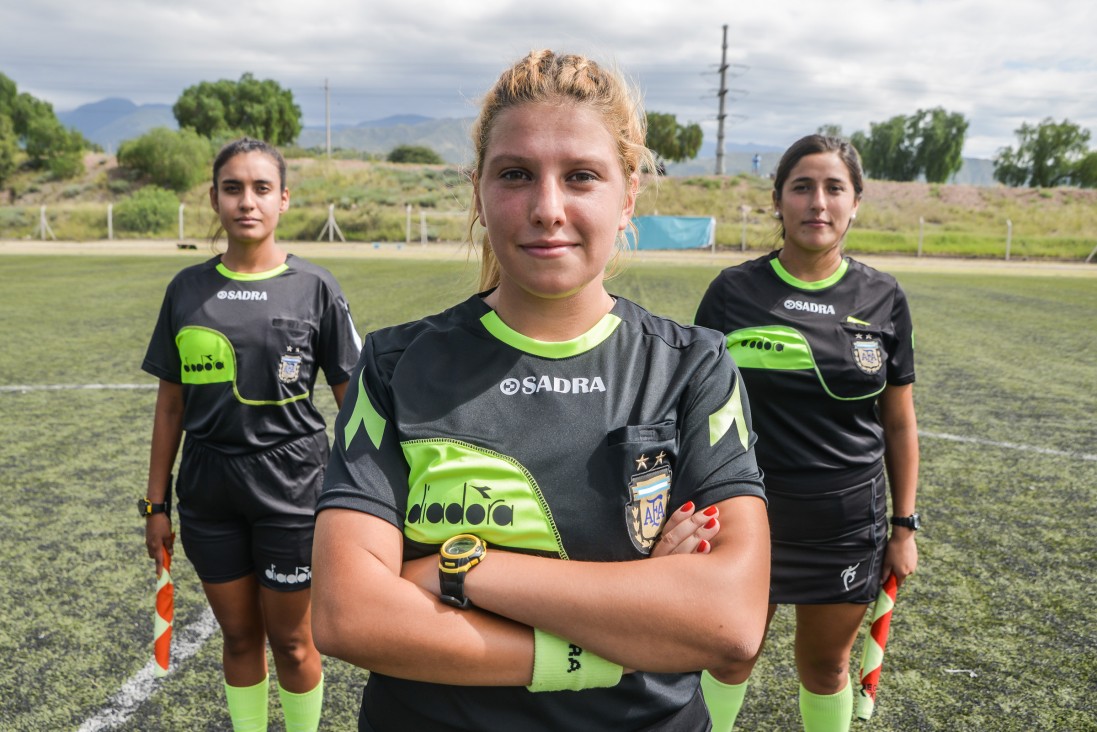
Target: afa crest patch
<point x="868" y="355"/>
<point x="289" y="368"/>
<point x="646" y="511"/>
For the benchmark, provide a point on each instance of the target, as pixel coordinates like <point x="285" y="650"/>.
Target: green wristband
<point x="559" y="665"/>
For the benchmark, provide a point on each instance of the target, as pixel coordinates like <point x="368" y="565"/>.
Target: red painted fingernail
<point x="710" y="511"/>
<point x="711" y="523"/>
<point x="702" y="547"/>
<point x="687" y="507"/>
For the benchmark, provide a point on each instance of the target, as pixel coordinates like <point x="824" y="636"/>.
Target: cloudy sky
<point x="794" y="65"/>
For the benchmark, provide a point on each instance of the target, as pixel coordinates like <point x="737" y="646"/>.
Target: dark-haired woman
<point x="238" y="345"/>
<point x="825" y="347"/>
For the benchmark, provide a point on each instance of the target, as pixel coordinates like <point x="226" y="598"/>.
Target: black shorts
<point x="245" y="514"/>
<point x="827" y="546"/>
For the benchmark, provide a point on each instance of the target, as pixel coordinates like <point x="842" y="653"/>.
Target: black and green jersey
<point x="815" y="357"/>
<point x="247" y="349"/>
<point x="576" y="450"/>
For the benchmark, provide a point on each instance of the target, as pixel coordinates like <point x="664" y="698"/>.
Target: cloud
<point x="796" y="65"/>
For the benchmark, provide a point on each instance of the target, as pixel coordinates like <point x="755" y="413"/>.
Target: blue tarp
<point x="673" y="232"/>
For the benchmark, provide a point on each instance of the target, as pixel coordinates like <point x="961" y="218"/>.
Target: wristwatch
<point x="457" y="556"/>
<point x="912" y="522"/>
<point x="146" y="508"/>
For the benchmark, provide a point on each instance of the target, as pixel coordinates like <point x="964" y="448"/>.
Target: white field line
<point x="119" y="708"/>
<point x="24" y="388"/>
<point x="1006" y="445"/>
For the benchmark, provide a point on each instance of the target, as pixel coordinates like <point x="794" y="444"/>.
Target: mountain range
<point x="111" y="121"/>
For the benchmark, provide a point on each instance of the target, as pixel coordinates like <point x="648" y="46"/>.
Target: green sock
<point x="830" y="713"/>
<point x="723" y="700"/>
<point x="248" y="706"/>
<point x="302" y="711"/>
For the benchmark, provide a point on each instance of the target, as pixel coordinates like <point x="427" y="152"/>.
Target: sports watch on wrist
<point x="146" y="508"/>
<point x="457" y="556"/>
<point x="912" y="522"/>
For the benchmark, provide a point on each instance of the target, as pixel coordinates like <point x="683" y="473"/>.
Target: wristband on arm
<point x="559" y="665"/>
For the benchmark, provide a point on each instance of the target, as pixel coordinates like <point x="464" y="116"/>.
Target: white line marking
<point x="142" y="684"/>
<point x="24" y="388"/>
<point x="1007" y="445"/>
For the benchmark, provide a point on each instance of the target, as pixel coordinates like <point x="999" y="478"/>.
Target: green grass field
<point x="996" y="631"/>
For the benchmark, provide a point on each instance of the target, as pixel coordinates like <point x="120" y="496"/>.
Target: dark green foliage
<point x="224" y="109"/>
<point x="177" y="160"/>
<point x="415" y="154"/>
<point x="30" y="123"/>
<point x="927" y="143"/>
<point x="672" y="141"/>
<point x="150" y="210"/>
<point x="1047" y="154"/>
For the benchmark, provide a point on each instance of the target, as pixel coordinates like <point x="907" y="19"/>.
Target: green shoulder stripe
<point x="779" y="348"/>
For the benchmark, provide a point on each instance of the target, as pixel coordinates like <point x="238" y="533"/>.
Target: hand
<point x="688" y="531"/>
<point x="901" y="556"/>
<point x="158" y="534"/>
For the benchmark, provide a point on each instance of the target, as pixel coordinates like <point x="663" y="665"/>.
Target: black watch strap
<point x="453" y="589"/>
<point x="912" y="522"/>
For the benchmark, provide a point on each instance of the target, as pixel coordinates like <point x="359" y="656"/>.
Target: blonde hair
<point x="546" y="77"/>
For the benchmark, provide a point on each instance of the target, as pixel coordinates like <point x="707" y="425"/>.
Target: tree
<point x="929" y="143"/>
<point x="176" y="160"/>
<point x="672" y="141"/>
<point x="938" y="138"/>
<point x="1085" y="171"/>
<point x="886" y="152"/>
<point x="148" y="211"/>
<point x="260" y="109"/>
<point x="414" y="154"/>
<point x="830" y="130"/>
<point x="32" y="126"/>
<point x="1046" y="155"/>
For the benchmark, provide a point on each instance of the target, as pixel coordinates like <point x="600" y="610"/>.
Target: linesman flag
<point x="872" y="658"/>
<point x="165" y="615"/>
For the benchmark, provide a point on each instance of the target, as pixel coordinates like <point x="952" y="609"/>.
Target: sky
<point x="793" y="66"/>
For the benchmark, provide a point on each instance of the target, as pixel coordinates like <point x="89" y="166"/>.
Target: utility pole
<point x="327" y="114"/>
<point x="722" y="115"/>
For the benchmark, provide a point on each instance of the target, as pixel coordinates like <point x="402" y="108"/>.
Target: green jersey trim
<point x="780" y="348"/>
<point x="801" y="284"/>
<point x="455" y="487"/>
<point x="251" y="276"/>
<point x="722" y="420"/>
<point x="207" y="357"/>
<point x="364" y="415"/>
<point x="545" y="349"/>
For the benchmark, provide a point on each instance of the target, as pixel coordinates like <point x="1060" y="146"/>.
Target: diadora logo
<point x="475" y="508"/>
<point x="849" y="574"/>
<point x="809" y="307"/>
<point x="296" y="577"/>
<point x="241" y="295"/>
<point x="535" y="384"/>
<point x="204" y="362"/>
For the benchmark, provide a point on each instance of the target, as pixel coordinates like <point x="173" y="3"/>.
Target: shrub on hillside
<point x="176" y="160"/>
<point x="148" y="211"/>
<point x="414" y="154"/>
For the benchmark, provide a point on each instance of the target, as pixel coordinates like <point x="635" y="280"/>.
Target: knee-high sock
<point x="302" y="711"/>
<point x="248" y="706"/>
<point x="723" y="700"/>
<point x="829" y="713"/>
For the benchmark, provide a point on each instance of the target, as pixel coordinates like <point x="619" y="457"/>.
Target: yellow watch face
<point x="461" y="553"/>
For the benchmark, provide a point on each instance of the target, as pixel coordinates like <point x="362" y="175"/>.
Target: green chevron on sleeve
<point x="364" y="416"/>
<point x="456" y="487"/>
<point x="730" y="414"/>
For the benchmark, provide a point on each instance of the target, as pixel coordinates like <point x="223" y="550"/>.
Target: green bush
<point x="415" y="154"/>
<point x="150" y="210"/>
<point x="176" y="160"/>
